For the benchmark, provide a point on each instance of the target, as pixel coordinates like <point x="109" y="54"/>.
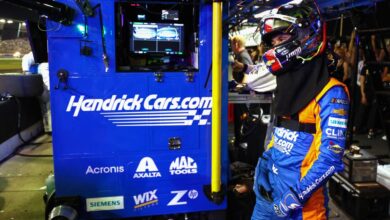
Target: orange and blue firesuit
<point x="301" y="157"/>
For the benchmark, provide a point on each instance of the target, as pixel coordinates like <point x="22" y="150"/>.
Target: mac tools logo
<point x="145" y="199"/>
<point x="146" y="169"/>
<point x="183" y="165"/>
<point x="148" y="111"/>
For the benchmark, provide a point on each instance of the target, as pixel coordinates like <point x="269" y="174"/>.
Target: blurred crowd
<point x="9" y="47"/>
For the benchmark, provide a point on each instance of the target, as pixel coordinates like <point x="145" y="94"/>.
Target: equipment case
<point x="360" y="200"/>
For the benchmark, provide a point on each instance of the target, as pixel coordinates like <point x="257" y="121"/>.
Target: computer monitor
<point x="156" y="36"/>
<point x="163" y="38"/>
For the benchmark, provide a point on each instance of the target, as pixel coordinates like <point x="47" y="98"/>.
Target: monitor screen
<point x="170" y="15"/>
<point x="166" y="38"/>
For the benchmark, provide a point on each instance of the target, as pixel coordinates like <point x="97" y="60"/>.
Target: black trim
<point x="295" y="125"/>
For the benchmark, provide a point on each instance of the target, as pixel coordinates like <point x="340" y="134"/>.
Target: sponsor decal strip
<point x="149" y="112"/>
<point x="138" y="125"/>
<point x="160" y="118"/>
<point x="139" y="119"/>
<point x="151" y="122"/>
<point x="149" y="115"/>
<point x="145" y="204"/>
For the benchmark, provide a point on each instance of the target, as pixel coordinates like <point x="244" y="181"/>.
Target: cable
<point x="34" y="155"/>
<point x="46" y="30"/>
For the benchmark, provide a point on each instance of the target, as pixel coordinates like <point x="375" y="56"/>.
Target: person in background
<point x="29" y="67"/>
<point x="258" y="53"/>
<point x="311" y="109"/>
<point x="27" y="62"/>
<point x="237" y="43"/>
<point x="241" y="54"/>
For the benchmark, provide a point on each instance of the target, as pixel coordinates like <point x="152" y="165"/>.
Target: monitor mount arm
<point x="55" y="11"/>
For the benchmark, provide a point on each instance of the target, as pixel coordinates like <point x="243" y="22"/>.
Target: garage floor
<point x="22" y="179"/>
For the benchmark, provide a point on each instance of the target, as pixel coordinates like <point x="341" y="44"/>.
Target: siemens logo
<point x="337" y="122"/>
<point x="105" y="203"/>
<point x="125" y="103"/>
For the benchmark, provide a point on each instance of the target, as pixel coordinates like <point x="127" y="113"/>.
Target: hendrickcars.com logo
<point x="151" y="110"/>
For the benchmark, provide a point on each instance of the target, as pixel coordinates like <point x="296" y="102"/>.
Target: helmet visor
<point x="271" y="24"/>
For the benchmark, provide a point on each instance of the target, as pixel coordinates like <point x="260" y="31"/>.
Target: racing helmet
<point x="301" y="19"/>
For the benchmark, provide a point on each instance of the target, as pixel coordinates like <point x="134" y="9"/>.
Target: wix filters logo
<point x="145" y="199"/>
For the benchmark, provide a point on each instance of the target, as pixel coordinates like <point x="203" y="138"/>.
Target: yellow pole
<point x="216" y="98"/>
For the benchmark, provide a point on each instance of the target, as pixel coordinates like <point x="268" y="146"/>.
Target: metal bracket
<point x="174" y="143"/>
<point x="190" y="76"/>
<point x="159" y="76"/>
<point x="62" y="76"/>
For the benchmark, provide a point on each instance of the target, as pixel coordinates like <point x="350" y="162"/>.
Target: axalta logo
<point x="337" y="122"/>
<point x="124" y="103"/>
<point x="104" y="170"/>
<point x="146" y="169"/>
<point x="105" y="203"/>
<point x="181" y="197"/>
<point x="145" y="199"/>
<point x="284" y="139"/>
<point x="149" y="111"/>
<point x="183" y="165"/>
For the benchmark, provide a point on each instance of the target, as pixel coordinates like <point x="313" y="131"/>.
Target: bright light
<point x="10" y="21"/>
<point x="262" y="14"/>
<point x="2" y="20"/>
<point x="24" y="23"/>
<point x="17" y="54"/>
<point x="81" y="28"/>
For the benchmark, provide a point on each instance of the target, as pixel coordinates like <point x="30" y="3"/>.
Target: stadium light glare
<point x="2" y="20"/>
<point x="10" y="21"/>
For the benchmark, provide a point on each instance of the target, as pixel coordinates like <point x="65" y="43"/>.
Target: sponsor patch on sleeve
<point x="337" y="122"/>
<point x="340" y="111"/>
<point x="339" y="101"/>
<point x="335" y="148"/>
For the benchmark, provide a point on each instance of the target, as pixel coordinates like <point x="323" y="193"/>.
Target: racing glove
<point x="286" y="204"/>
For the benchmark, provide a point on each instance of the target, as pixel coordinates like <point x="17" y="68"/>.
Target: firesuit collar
<point x="297" y="87"/>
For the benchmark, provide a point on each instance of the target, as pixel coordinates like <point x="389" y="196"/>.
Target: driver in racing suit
<point x="311" y="111"/>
